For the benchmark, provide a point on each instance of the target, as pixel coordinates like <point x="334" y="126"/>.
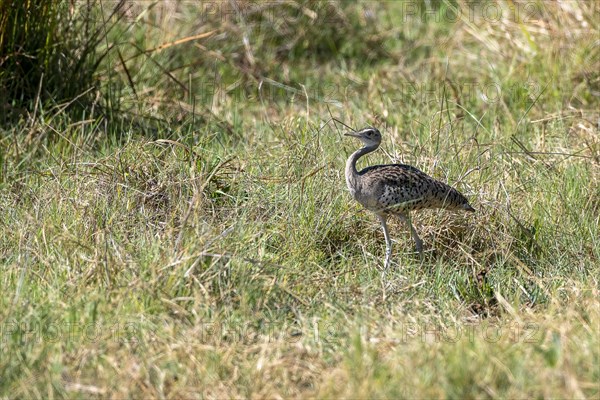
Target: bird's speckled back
<point x="399" y="188"/>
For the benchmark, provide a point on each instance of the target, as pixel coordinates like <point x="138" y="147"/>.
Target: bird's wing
<point x="397" y="186"/>
<point x="402" y="187"/>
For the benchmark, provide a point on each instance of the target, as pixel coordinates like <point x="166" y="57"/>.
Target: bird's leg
<point x="419" y="243"/>
<point x="388" y="241"/>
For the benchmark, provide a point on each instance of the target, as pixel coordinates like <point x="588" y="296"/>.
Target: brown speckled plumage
<point x="396" y="189"/>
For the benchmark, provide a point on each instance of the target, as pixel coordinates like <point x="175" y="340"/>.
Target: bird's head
<point x="369" y="136"/>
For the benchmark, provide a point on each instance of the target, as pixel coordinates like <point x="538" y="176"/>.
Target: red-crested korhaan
<point x="396" y="189"/>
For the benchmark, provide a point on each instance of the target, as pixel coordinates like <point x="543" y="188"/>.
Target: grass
<point x="201" y="243"/>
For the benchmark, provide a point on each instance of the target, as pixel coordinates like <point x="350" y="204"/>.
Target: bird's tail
<point x="449" y="198"/>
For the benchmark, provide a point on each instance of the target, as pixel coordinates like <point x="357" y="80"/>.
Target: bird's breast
<point x="367" y="199"/>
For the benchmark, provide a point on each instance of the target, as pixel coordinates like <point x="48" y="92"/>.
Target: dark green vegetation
<point x="182" y="229"/>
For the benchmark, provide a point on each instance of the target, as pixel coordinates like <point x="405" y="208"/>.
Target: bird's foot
<point x="386" y="265"/>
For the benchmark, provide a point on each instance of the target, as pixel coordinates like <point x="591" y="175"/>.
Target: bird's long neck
<point x="352" y="175"/>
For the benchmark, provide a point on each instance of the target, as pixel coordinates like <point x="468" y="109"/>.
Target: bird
<point x="396" y="189"/>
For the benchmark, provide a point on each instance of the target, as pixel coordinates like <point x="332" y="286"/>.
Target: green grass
<point x="202" y="243"/>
